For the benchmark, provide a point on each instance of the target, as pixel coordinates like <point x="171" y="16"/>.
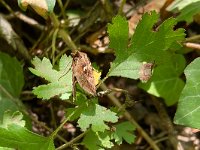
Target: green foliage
<point x="148" y="46"/>
<point x="60" y="81"/>
<point x="188" y="112"/>
<point x="123" y="131"/>
<point x="15" y="135"/>
<point x="11" y="83"/>
<point x="97" y="140"/>
<point x="5" y="148"/>
<point x="91" y="113"/>
<point x="101" y="140"/>
<point x="42" y="7"/>
<point x="180" y="4"/>
<point x="187" y="9"/>
<point x="96" y="116"/>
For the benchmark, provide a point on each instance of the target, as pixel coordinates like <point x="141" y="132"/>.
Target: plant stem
<point x="60" y="126"/>
<point x="192" y="45"/>
<point x="120" y="12"/>
<point x="131" y="119"/>
<point x="166" y="121"/>
<point x="67" y="39"/>
<point x="63" y="33"/>
<point x="62" y="8"/>
<point x="72" y="141"/>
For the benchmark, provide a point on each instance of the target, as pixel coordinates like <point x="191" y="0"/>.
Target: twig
<point x="61" y="7"/>
<point x="166" y="121"/>
<point x="192" y="45"/>
<point x="67" y="39"/>
<point x="23" y="17"/>
<point x="130" y="118"/>
<point x="72" y="141"/>
<point x="193" y="38"/>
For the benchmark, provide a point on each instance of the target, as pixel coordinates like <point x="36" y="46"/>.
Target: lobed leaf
<point x="96" y="116"/>
<point x="123" y="131"/>
<point x="148" y="46"/>
<point x="60" y="80"/>
<point x="97" y="140"/>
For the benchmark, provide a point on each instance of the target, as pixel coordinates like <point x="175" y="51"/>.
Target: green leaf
<point x="167" y="84"/>
<point x="9" y="118"/>
<point x="60" y="81"/>
<point x="97" y="140"/>
<point x="96" y="116"/>
<point x="11" y="83"/>
<point x="5" y="148"/>
<point x="42" y="7"/>
<point x="82" y="104"/>
<point x="123" y="131"/>
<point x="188" y="112"/>
<point x="14" y="135"/>
<point x="188" y="12"/>
<point x="187" y="9"/>
<point x="180" y="4"/>
<point x="147" y="46"/>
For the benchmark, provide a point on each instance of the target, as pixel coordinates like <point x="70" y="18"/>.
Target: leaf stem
<point x="131" y="119"/>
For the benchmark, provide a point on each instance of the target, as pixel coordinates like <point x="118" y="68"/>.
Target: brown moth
<point x="83" y="73"/>
<point x="145" y="72"/>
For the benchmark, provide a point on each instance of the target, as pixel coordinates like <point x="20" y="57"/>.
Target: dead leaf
<point x="145" y="72"/>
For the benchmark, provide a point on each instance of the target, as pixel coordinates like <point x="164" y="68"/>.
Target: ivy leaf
<point x="147" y="46"/>
<point x="123" y="131"/>
<point x="11" y="83"/>
<point x="42" y="7"/>
<point x="15" y="135"/>
<point x="188" y="112"/>
<point x="96" y="116"/>
<point x="167" y="84"/>
<point x="187" y="9"/>
<point x="97" y="140"/>
<point x="60" y="81"/>
<point x="188" y="12"/>
<point x="180" y="4"/>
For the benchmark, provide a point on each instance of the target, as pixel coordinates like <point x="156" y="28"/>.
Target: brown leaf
<point x="145" y="72"/>
<point x="83" y="72"/>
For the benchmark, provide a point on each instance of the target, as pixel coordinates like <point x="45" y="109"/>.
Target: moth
<point x="82" y="72"/>
<point x="145" y="71"/>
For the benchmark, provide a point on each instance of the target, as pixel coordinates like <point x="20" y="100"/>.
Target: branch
<point x="131" y="119"/>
